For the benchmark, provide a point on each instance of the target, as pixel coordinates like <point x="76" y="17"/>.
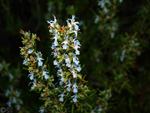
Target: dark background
<point x="32" y="15"/>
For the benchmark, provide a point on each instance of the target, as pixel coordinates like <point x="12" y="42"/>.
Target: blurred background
<point x="115" y="51"/>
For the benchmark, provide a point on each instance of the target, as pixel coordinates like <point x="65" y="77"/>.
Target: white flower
<point x="7" y="92"/>
<point x="34" y="84"/>
<point x="96" y="19"/>
<point x="79" y="69"/>
<point x="76" y="27"/>
<point x="112" y="34"/>
<point x="77" y="52"/>
<point x="40" y="63"/>
<point x="123" y="55"/>
<point x="65" y="46"/>
<point x="55" y="62"/>
<point x="99" y="109"/>
<point x="68" y="65"/>
<point x="18" y="107"/>
<point x="41" y="110"/>
<point x="56" y="52"/>
<point x="74" y="74"/>
<point x="60" y="73"/>
<point x="120" y="1"/>
<point x="14" y="100"/>
<point x="20" y="101"/>
<point x="10" y="76"/>
<point x="71" y="23"/>
<point x="55" y="38"/>
<point x="61" y="81"/>
<point x="65" y="43"/>
<point x="25" y="61"/>
<point x="68" y="85"/>
<point x="18" y="93"/>
<point x="9" y="103"/>
<point x="76" y="46"/>
<point x="101" y="4"/>
<point x="76" y="60"/>
<point x="68" y="62"/>
<point x="61" y="99"/>
<point x="105" y="10"/>
<point x="53" y="46"/>
<point x="52" y="23"/>
<point x="31" y="75"/>
<point x="75" y="90"/>
<point x="30" y="51"/>
<point x="44" y="73"/>
<point x="55" y="43"/>
<point x="75" y="98"/>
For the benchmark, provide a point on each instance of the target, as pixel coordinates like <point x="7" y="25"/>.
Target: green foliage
<point x="114" y="52"/>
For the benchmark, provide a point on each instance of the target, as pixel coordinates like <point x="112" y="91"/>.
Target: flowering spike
<point x="65" y="47"/>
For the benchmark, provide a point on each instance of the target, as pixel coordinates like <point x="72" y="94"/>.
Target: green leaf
<point x="46" y="103"/>
<point x="72" y="108"/>
<point x="89" y="106"/>
<point x="61" y="59"/>
<point x="22" y="38"/>
<point x="80" y="76"/>
<point x="67" y="74"/>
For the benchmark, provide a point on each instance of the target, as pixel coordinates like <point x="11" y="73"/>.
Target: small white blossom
<point x="52" y="23"/>
<point x="14" y="100"/>
<point x="31" y="75"/>
<point x="10" y="76"/>
<point x="76" y="46"/>
<point x="99" y="109"/>
<point x="68" y="85"/>
<point x="45" y="74"/>
<point x="75" y="98"/>
<point x="7" y="92"/>
<point x="40" y="63"/>
<point x="75" y="60"/>
<point x="74" y="74"/>
<point x="75" y="88"/>
<point x="123" y="55"/>
<point x="65" y="43"/>
<point x="18" y="107"/>
<point x="79" y="69"/>
<point x="53" y="46"/>
<point x="61" y="81"/>
<point x="30" y="51"/>
<point x="9" y="103"/>
<point x="34" y="84"/>
<point x="120" y="1"/>
<point x="112" y="34"/>
<point x="96" y="19"/>
<point x="25" y="61"/>
<point x="61" y="99"/>
<point x="60" y="73"/>
<point x="55" y="62"/>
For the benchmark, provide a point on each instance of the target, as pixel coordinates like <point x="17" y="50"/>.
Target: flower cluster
<point x="70" y="86"/>
<point x="130" y="47"/>
<point x="65" y="48"/>
<point x="108" y="12"/>
<point x="33" y="60"/>
<point x="38" y="73"/>
<point x="11" y="92"/>
<point x="13" y="97"/>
